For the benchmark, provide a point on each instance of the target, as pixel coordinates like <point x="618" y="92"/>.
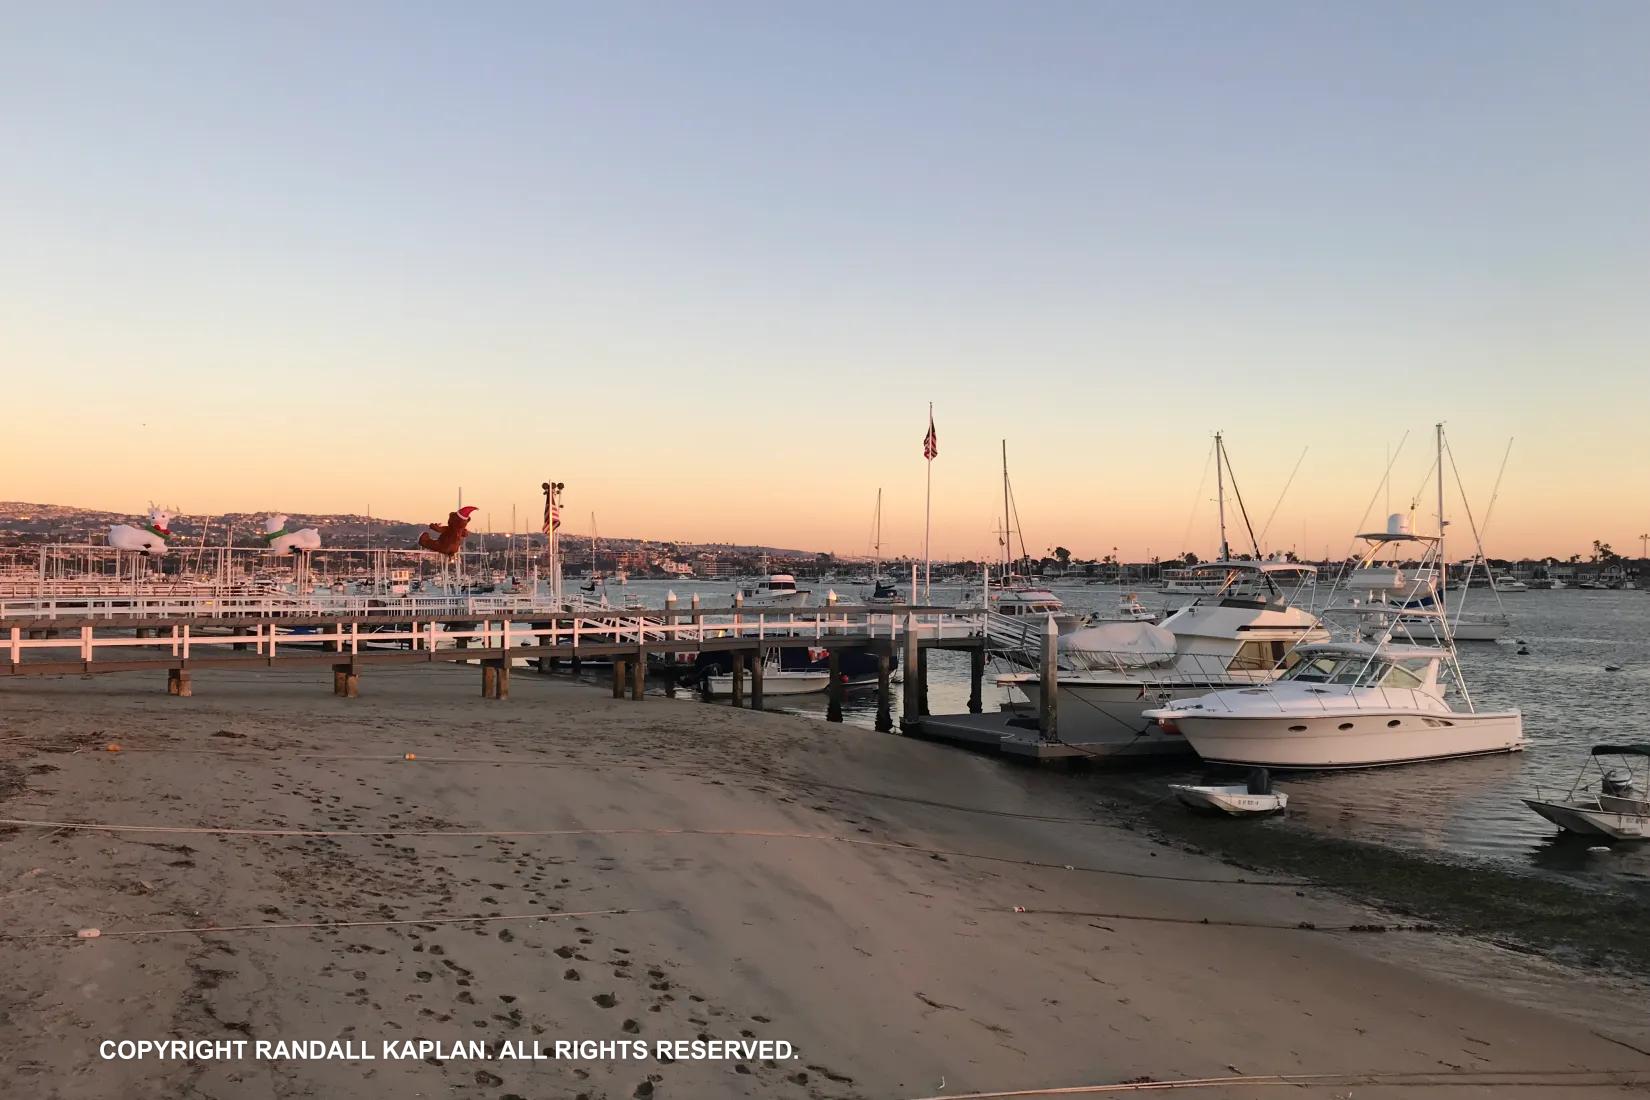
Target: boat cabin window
<point x="782" y="586"/>
<point x="1412" y="673"/>
<point x="1314" y="670"/>
<point x="1259" y="656"/>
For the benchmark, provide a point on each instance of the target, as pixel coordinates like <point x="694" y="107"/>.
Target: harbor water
<point x="1459" y="809"/>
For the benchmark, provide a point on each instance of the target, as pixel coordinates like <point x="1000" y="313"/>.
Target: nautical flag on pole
<point x="930" y="442"/>
<point x="552" y="507"/>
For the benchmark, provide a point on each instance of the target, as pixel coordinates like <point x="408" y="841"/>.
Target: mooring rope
<point x="1569" y="1078"/>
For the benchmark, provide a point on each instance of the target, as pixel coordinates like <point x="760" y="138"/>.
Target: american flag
<point x="552" y="507"/>
<point x="930" y="442"/>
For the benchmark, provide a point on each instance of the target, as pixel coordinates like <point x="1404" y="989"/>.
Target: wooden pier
<point x="351" y="642"/>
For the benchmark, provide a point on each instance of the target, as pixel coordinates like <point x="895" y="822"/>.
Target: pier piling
<point x="177" y="682"/>
<point x="1049" y="688"/>
<point x="976" y="674"/>
<point x="346" y="681"/>
<point x="885" y="702"/>
<point x="833" y="691"/>
<point x="756" y="681"/>
<point x="638" y="676"/>
<point x="495" y="678"/>
<point x="911" y="712"/>
<point x="922" y="682"/>
<point x="738" y="690"/>
<point x="618" y="677"/>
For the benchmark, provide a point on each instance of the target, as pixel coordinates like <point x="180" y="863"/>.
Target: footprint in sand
<point x="606" y="1000"/>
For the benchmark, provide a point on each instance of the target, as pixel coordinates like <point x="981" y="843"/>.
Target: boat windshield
<point x="1359" y="671"/>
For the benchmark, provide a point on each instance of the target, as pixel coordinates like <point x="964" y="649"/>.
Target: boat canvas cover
<point x="1119" y="645"/>
<point x="1621" y="750"/>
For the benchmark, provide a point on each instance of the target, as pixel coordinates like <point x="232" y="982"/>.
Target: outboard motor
<point x="1260" y="781"/>
<point x="1618" y="783"/>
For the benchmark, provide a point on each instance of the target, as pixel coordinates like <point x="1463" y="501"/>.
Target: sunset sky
<point x="708" y="264"/>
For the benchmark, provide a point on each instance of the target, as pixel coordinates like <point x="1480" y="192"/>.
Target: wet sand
<point x="895" y="973"/>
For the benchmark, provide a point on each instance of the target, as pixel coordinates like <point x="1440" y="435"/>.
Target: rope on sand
<point x="759" y="834"/>
<point x="1582" y="1078"/>
<point x="1298" y="926"/>
<point x="213" y="929"/>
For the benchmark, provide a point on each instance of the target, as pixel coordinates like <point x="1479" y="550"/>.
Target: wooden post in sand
<point x="737" y="693"/>
<point x="177" y="682"/>
<point x="756" y="681"/>
<point x="911" y="713"/>
<point x="885" y="702"/>
<point x="833" y="690"/>
<point x="546" y="664"/>
<point x="1048" y="689"/>
<point x="618" y="677"/>
<point x="638" y="675"/>
<point x="495" y="678"/>
<point x="976" y="674"/>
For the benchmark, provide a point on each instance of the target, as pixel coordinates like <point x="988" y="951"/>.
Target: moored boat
<point x="1358" y="704"/>
<point x="1619" y="808"/>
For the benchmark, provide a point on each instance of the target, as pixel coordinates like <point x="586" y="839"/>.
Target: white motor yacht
<point x="1110" y="674"/>
<point x="1129" y="610"/>
<point x="1356" y="704"/>
<point x="777" y="590"/>
<point x="1342" y="705"/>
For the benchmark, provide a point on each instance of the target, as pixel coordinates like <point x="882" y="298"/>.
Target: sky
<point x="709" y="264"/>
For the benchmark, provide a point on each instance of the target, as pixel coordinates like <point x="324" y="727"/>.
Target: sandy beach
<point x="740" y="876"/>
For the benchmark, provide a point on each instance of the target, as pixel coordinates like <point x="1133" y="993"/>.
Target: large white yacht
<point x="1343" y="705"/>
<point x="1110" y="674"/>
<point x="776" y="590"/>
<point x="1357" y="704"/>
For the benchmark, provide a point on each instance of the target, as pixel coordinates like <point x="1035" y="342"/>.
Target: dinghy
<point x="1618" y="808"/>
<point x="1252" y="799"/>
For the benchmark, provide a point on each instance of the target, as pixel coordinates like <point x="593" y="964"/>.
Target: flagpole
<point x="928" y="519"/>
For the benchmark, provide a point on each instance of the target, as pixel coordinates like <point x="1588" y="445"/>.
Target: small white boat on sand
<point x="1620" y="808"/>
<point x="1253" y="799"/>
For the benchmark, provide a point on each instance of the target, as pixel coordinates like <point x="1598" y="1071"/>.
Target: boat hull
<point x="1591" y="820"/>
<point x="1349" y="740"/>
<point x="773" y="683"/>
<point x="1231" y="801"/>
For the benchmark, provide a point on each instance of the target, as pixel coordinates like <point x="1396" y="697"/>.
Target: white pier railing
<point x="494" y="631"/>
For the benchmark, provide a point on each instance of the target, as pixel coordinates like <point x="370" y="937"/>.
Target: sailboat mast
<point x="1008" y="535"/>
<point x="1220" y="493"/>
<point x="878" y="539"/>
<point x="1443" y="562"/>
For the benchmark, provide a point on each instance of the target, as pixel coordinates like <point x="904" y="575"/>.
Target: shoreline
<point x="741" y="875"/>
